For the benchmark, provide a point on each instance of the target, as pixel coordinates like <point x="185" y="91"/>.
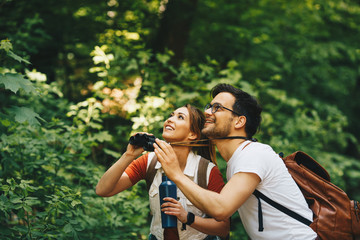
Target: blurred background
<point x="78" y="77"/>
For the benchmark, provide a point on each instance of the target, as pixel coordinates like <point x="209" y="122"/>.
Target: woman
<point x="183" y="125"/>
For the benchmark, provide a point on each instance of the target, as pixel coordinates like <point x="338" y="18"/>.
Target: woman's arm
<point x="212" y="227"/>
<point x="206" y="225"/>
<point x="115" y="180"/>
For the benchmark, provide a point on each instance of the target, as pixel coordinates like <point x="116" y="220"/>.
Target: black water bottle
<point x="167" y="189"/>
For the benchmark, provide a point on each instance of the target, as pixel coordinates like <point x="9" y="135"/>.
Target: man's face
<point x="219" y="124"/>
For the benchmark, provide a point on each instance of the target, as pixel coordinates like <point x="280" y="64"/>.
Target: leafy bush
<point x="48" y="176"/>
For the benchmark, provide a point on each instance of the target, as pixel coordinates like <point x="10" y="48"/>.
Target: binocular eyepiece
<point x="143" y="140"/>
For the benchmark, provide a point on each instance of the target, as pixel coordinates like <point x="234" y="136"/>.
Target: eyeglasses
<point x="216" y="106"/>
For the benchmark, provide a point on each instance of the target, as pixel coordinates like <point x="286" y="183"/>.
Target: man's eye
<point x="217" y="107"/>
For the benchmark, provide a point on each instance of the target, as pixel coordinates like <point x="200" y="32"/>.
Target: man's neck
<point x="227" y="147"/>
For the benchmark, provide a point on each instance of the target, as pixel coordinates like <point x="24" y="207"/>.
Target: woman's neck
<point x="182" y="153"/>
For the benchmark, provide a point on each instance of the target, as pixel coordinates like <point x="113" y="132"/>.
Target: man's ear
<point x="192" y="136"/>
<point x="240" y="122"/>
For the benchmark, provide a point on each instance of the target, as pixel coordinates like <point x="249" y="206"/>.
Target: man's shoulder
<point x="258" y="145"/>
<point x="259" y="154"/>
<point x="253" y="148"/>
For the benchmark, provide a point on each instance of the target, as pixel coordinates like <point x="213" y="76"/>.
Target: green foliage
<point x="6" y="45"/>
<point x="56" y="159"/>
<point x="14" y="82"/>
<point x="47" y="178"/>
<point x="112" y="68"/>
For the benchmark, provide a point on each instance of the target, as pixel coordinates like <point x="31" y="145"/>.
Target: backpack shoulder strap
<point x="150" y="173"/>
<point x="259" y="195"/>
<point x="202" y="170"/>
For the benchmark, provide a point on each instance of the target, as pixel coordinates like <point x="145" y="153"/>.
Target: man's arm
<point x="218" y="205"/>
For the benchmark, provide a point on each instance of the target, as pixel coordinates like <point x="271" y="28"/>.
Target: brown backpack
<point x="335" y="215"/>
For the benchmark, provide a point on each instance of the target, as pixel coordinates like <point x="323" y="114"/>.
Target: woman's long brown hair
<point x="197" y="121"/>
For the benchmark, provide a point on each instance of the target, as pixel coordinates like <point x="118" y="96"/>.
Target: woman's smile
<point x="169" y="127"/>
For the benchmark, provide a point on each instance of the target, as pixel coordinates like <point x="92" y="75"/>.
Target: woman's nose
<point x="168" y="120"/>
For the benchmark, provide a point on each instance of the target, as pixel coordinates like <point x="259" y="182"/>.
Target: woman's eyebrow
<point x="181" y="113"/>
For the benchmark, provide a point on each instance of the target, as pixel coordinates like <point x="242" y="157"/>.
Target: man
<point x="250" y="166"/>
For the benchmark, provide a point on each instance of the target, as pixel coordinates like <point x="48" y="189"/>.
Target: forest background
<point x="78" y="77"/>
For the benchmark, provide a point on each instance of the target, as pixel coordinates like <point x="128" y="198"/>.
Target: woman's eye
<point x="181" y="117"/>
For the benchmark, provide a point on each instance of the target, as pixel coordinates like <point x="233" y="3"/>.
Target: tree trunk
<point x="174" y="27"/>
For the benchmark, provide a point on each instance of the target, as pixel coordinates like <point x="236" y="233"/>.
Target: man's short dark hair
<point x="245" y="104"/>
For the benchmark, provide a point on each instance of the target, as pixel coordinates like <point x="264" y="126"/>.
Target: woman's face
<point x="177" y="126"/>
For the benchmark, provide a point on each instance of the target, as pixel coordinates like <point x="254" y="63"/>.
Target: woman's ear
<point x="192" y="136"/>
<point x="240" y="122"/>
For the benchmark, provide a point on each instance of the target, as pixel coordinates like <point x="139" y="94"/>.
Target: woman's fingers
<point x="171" y="205"/>
<point x="169" y="202"/>
<point x="170" y="199"/>
<point x="174" y="207"/>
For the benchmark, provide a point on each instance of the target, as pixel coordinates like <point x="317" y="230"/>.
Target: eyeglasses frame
<point x="207" y="106"/>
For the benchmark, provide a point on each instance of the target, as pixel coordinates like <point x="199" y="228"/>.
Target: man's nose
<point x="207" y="112"/>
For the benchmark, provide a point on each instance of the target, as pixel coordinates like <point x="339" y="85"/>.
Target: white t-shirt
<point x="277" y="184"/>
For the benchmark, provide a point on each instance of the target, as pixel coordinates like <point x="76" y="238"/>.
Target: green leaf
<point x="103" y="136"/>
<point x="5" y="122"/>
<point x="15" y="81"/>
<point x="18" y="206"/>
<point x="75" y="202"/>
<point x="27" y="208"/>
<point x="112" y="153"/>
<point x="21" y="213"/>
<point x="163" y="58"/>
<point x="15" y="200"/>
<point x="16" y="57"/>
<point x="4" y="188"/>
<point x="32" y="201"/>
<point x="68" y="228"/>
<point x="6" y="45"/>
<point x="24" y="114"/>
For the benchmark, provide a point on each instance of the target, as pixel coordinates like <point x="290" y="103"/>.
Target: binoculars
<point x="143" y="140"/>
